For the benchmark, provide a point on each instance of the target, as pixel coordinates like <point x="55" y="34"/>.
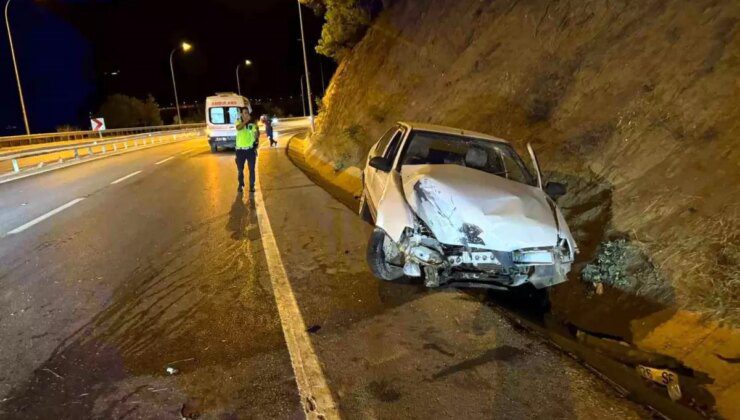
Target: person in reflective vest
<point x="247" y="141"/>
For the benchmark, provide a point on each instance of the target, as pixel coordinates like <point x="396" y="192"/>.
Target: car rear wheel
<point x="214" y="148"/>
<point x="377" y="249"/>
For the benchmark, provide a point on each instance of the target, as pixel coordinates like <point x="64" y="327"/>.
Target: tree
<point x="272" y="109"/>
<point x="121" y="111"/>
<point x="150" y="111"/>
<point x="67" y="128"/>
<point x="196" y="115"/>
<point x="318" y="6"/>
<point x="346" y="23"/>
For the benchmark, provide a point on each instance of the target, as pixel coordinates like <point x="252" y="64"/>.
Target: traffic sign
<point x="98" y="124"/>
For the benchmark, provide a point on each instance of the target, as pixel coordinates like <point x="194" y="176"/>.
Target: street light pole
<point x="174" y="86"/>
<point x="238" y="84"/>
<point x="303" y="98"/>
<point x="15" y="67"/>
<point x="185" y="47"/>
<point x="323" y="85"/>
<point x="305" y="65"/>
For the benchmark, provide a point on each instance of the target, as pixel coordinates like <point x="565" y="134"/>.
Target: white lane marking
<point x="45" y="216"/>
<point x="316" y="398"/>
<point x="187" y="151"/>
<point x="125" y="177"/>
<point x="164" y="160"/>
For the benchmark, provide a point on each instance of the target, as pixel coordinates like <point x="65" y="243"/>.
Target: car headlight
<point x="533" y="256"/>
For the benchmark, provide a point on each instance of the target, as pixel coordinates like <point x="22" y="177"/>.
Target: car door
<point x="380" y="178"/>
<point x="370" y="172"/>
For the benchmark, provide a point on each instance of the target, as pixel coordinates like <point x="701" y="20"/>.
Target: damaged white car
<point x="460" y="208"/>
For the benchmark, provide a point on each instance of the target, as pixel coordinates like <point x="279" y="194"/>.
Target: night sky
<point x="67" y="50"/>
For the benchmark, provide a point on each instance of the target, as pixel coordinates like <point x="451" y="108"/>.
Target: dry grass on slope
<point x="636" y="104"/>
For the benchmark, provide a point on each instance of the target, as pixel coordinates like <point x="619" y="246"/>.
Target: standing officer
<point x="247" y="141"/>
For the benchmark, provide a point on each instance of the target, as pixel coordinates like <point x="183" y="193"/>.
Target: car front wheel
<point x="379" y="249"/>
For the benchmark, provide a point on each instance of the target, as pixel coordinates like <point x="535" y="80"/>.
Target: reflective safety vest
<point x="246" y="137"/>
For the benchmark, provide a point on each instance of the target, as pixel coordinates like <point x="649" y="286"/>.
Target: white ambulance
<point x="222" y="112"/>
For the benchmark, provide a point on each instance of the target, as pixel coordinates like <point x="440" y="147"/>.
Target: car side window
<point x="390" y="153"/>
<point x="383" y="142"/>
<point x="514" y="170"/>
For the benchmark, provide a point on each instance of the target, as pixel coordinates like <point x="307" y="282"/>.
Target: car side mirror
<point x="555" y="190"/>
<point x="380" y="163"/>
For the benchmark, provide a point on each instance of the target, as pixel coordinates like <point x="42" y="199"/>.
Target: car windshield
<point x="223" y="115"/>
<point x="430" y="148"/>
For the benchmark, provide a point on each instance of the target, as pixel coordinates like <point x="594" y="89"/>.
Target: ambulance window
<point x="222" y="115"/>
<point x="233" y="114"/>
<point x="217" y="116"/>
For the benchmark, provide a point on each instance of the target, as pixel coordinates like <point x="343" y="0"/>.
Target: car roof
<point x="450" y="130"/>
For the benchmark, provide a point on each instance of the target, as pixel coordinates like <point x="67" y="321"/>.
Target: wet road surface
<point x="166" y="268"/>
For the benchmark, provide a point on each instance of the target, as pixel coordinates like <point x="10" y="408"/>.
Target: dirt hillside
<point x="636" y="105"/>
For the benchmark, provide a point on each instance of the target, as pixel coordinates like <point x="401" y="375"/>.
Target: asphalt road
<point x="170" y="267"/>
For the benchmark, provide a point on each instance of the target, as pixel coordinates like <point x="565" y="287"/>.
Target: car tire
<point x="214" y="148"/>
<point x="376" y="257"/>
<point x="532" y="300"/>
<point x="364" y="212"/>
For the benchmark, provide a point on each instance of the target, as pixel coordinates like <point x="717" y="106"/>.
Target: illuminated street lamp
<point x="15" y="67"/>
<point x="247" y="63"/>
<point x="185" y="48"/>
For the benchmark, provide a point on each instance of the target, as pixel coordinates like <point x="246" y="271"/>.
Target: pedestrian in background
<point x="268" y="129"/>
<point x="247" y="142"/>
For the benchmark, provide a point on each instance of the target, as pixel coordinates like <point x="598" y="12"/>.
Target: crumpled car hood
<point x="468" y="207"/>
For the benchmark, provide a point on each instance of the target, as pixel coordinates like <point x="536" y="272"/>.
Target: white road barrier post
<point x="15" y="166"/>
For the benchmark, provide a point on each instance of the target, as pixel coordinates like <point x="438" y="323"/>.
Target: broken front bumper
<point x="442" y="265"/>
<point x="503" y="269"/>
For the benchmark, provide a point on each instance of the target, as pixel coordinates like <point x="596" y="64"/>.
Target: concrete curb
<point x="345" y="185"/>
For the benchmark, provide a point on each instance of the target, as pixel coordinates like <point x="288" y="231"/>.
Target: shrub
<point x="345" y="23"/>
<point x="66" y="128"/>
<point x="624" y="265"/>
<point x="121" y="111"/>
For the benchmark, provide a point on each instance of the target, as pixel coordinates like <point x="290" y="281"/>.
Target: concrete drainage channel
<point x="23" y="163"/>
<point x="615" y="361"/>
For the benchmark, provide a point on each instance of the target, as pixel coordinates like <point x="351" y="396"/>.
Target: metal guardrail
<point x="82" y="135"/>
<point x="293" y="118"/>
<point x="138" y="140"/>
